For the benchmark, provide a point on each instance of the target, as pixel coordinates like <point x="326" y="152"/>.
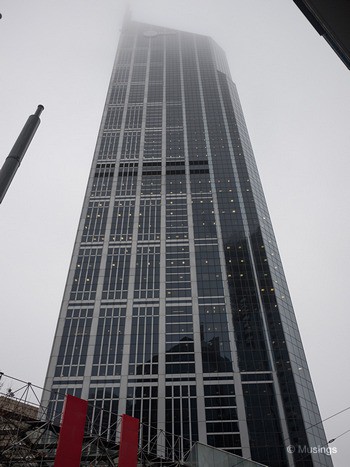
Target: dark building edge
<point x="329" y="27"/>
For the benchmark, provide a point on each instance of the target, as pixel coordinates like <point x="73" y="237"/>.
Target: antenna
<point x="127" y="14"/>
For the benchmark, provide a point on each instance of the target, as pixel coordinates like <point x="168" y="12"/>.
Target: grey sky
<point x="295" y="94"/>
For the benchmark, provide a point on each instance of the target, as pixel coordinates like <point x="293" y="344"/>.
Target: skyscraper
<point x="176" y="309"/>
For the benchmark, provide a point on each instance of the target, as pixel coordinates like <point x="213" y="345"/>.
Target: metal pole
<point x="20" y="147"/>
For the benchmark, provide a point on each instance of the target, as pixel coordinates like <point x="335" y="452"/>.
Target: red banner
<point x="129" y="437"/>
<point x="70" y="441"/>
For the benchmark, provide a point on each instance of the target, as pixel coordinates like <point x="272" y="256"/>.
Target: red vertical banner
<point x="129" y="438"/>
<point x="70" y="441"/>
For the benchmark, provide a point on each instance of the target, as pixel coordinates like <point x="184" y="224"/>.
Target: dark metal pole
<point x="20" y="147"/>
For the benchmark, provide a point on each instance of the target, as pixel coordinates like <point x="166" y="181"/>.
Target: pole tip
<point x="39" y="110"/>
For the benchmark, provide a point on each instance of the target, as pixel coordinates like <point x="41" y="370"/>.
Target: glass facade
<point x="176" y="308"/>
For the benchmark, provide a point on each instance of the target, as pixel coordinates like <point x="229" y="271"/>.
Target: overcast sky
<point x="295" y="94"/>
